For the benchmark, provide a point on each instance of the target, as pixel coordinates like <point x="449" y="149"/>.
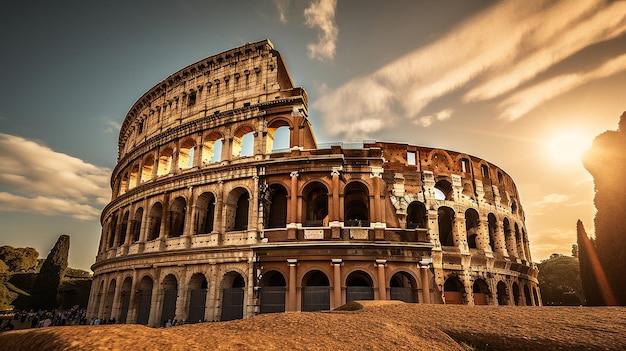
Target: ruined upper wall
<point x="237" y="78"/>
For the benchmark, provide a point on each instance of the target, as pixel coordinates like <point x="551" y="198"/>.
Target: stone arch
<point x="241" y="138"/>
<point x="121" y="235"/>
<point x="237" y="208"/>
<point x="315" y="204"/>
<point x="133" y="181"/>
<point x="144" y="299"/>
<point x="212" y="148"/>
<point x="536" y="296"/>
<point x="480" y="291"/>
<point x="123" y="184"/>
<point x="125" y="293"/>
<point x="170" y="294"/>
<point x="492" y="225"/>
<point x="440" y="160"/>
<point x="356" y="204"/>
<point x="509" y="237"/>
<point x="233" y="291"/>
<point x="276" y="202"/>
<point x="315" y="291"/>
<point x="453" y="291"/>
<point x="186" y="153"/>
<point x="135" y="231"/>
<point x="177" y="214"/>
<point x="99" y="298"/>
<point x="205" y="218"/>
<point x="359" y="286"/>
<point x="112" y="230"/>
<point x="472" y="227"/>
<point x="519" y="242"/>
<point x="464" y="163"/>
<point x="108" y="300"/>
<point x="147" y="167"/>
<point x="503" y="293"/>
<point x="445" y="220"/>
<point x="416" y="215"/>
<point x="278" y="130"/>
<point x="527" y="296"/>
<point x="403" y="287"/>
<point x="443" y="190"/>
<point x="198" y="288"/>
<point x="516" y="294"/>
<point x="272" y="292"/>
<point x="156" y="215"/>
<point x="165" y="161"/>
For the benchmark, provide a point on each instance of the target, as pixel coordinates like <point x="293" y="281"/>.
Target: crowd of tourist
<point x="44" y="318"/>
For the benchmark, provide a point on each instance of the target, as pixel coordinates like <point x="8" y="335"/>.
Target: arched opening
<point x="493" y="229"/>
<point x="536" y="296"/>
<point x="112" y="229"/>
<point x="243" y="142"/>
<point x="276" y="200"/>
<point x="359" y="286"/>
<point x="527" y="296"/>
<point x="134" y="177"/>
<point x="156" y="213"/>
<point x="272" y="292"/>
<point x="403" y="287"/>
<point x="315" y="205"/>
<point x="212" y="148"/>
<point x="315" y="292"/>
<point x="146" y="170"/>
<point x="480" y="291"/>
<point x="509" y="237"/>
<point x="241" y="213"/>
<point x="108" y="301"/>
<point x="99" y="297"/>
<point x="472" y="227"/>
<point x="125" y="299"/>
<point x="198" y="287"/>
<point x="123" y="184"/>
<point x="356" y="205"/>
<point x="186" y="152"/>
<point x="453" y="291"/>
<point x="443" y="190"/>
<point x="177" y="217"/>
<point x="503" y="294"/>
<point x="144" y="300"/>
<point x="516" y="294"/>
<point x="205" y="206"/>
<point x="416" y="215"/>
<point x="121" y="236"/>
<point x="236" y="208"/>
<point x="170" y="293"/>
<point x="519" y="242"/>
<point x="232" y="296"/>
<point x="165" y="162"/>
<point x="136" y="227"/>
<point x="278" y="137"/>
<point x="445" y="220"/>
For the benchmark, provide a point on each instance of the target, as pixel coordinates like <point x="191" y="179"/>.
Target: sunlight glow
<point x="567" y="147"/>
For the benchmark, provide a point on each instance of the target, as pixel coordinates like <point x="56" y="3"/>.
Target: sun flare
<point x="567" y="147"/>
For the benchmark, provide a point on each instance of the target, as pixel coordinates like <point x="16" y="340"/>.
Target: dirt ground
<point x="374" y="326"/>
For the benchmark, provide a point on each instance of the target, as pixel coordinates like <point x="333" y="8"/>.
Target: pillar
<point x="336" y="262"/>
<point x="424" y="275"/>
<point x="382" y="281"/>
<point x="291" y="294"/>
<point x="293" y="206"/>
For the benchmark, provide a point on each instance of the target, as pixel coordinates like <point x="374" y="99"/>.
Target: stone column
<point x="334" y="223"/>
<point x="379" y="226"/>
<point x="382" y="281"/>
<point x="424" y="275"/>
<point x="293" y="206"/>
<point x="291" y="294"/>
<point x="116" y="307"/>
<point x="336" y="262"/>
<point x="500" y="240"/>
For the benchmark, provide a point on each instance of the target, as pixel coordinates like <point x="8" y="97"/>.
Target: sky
<point x="526" y="85"/>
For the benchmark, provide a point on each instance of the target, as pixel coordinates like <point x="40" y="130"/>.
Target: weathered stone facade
<point x="200" y="228"/>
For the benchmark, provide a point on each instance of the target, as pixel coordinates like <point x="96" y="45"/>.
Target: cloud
<point x="427" y="121"/>
<point x="282" y="6"/>
<point x="112" y="125"/>
<point x="321" y="14"/>
<point x="45" y="181"/>
<point x="489" y="55"/>
<point x="549" y="241"/>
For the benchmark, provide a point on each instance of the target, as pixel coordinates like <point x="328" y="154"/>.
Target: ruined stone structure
<point x="211" y="220"/>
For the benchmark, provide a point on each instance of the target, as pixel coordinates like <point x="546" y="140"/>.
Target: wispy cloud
<point x="112" y="125"/>
<point x="427" y="121"/>
<point x="45" y="181"/>
<point x="490" y="55"/>
<point x="321" y="14"/>
<point x="555" y="240"/>
<point x="282" y="6"/>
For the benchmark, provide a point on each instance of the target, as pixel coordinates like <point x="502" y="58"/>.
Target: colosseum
<point x="224" y="206"/>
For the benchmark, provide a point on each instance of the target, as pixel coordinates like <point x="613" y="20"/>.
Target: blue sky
<point x="525" y="85"/>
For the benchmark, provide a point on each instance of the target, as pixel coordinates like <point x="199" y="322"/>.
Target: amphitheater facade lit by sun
<point x="224" y="206"/>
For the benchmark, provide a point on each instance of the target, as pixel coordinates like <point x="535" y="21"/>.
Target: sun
<point x="567" y="147"/>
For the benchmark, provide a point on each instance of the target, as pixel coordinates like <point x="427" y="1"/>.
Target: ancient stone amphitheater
<point x="225" y="206"/>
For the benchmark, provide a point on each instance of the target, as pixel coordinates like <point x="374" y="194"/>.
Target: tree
<point x="47" y="283"/>
<point x="559" y="281"/>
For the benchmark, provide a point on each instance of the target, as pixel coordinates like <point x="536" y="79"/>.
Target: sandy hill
<point x="360" y="326"/>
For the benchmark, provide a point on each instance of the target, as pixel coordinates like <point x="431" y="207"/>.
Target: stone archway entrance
<point x="403" y="287"/>
<point x="232" y="297"/>
<point x="359" y="286"/>
<point x="315" y="292"/>
<point x="273" y="288"/>
<point x="453" y="291"/>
